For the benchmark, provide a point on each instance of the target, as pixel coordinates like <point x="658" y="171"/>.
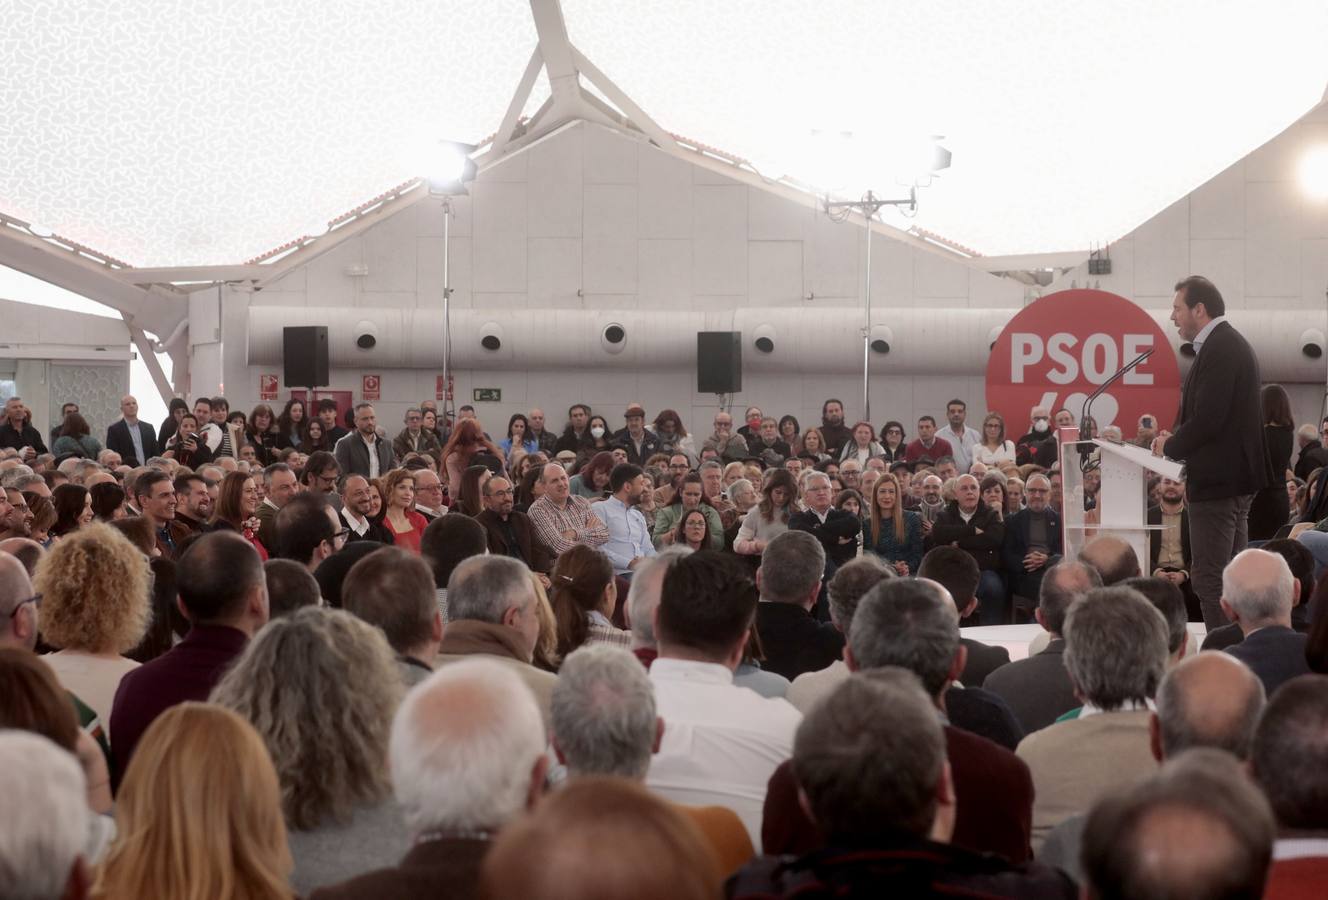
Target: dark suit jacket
<point x="352" y="455"/>
<point x="1155" y="537"/>
<point x="983" y="659"/>
<point x="442" y="868"/>
<point x="650" y="445"/>
<point x="1276" y="654"/>
<point x="1014" y="547"/>
<point x="118" y="439"/>
<point x="985" y="548"/>
<point x="188" y="671"/>
<point x="1037" y="689"/>
<point x="838" y="524"/>
<point x="993" y="788"/>
<point x="1219" y="429"/>
<point x="1221" y="638"/>
<point x="536" y="556"/>
<point x="983" y="713"/>
<point x="267" y="527"/>
<point x="1312" y="456"/>
<point x="793" y="641"/>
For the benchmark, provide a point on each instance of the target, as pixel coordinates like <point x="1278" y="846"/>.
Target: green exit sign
<point x="488" y="395"/>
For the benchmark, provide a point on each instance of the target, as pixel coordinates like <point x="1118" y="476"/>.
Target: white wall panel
<point x="500" y="262"/>
<point x="1272" y="272"/>
<point x="719" y="266"/>
<point x="719" y="213"/>
<point x="1217" y="207"/>
<point x="1161" y="251"/>
<point x="608" y="158"/>
<point x="611" y="211"/>
<point x="774" y="273"/>
<point x="554" y="175"/>
<point x="1222" y="261"/>
<point x="664" y="273"/>
<point x="665" y="196"/>
<point x="554" y="272"/>
<point x="609" y="266"/>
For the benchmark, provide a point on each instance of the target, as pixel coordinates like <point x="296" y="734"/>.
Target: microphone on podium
<point x="1084" y="449"/>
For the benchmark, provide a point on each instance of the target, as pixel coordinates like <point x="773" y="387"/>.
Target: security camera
<point x="366" y="335"/>
<point x="765" y="338"/>
<point x="613" y="337"/>
<point x="882" y="338"/>
<point x="491" y="336"/>
<point x="1311" y="343"/>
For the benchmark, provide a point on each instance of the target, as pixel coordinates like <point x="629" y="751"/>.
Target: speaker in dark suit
<point x="119" y="439"/>
<point x="1219" y="435"/>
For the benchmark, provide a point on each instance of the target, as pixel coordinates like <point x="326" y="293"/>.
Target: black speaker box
<point x="718" y="362"/>
<point x="304" y="354"/>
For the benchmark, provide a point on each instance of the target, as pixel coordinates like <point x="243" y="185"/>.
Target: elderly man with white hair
<point x="466" y="756"/>
<point x="977" y="529"/>
<point x="44" y="821"/>
<point x="1258" y="591"/>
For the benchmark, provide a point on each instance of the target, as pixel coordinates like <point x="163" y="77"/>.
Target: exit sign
<point x="488" y="395"/>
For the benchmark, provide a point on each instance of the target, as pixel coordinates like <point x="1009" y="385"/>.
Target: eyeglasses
<point x="35" y="600"/>
<point x="341" y="535"/>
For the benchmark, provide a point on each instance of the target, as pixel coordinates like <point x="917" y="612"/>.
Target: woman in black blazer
<point x="1271" y="507"/>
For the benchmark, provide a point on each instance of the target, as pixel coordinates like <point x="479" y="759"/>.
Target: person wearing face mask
<point x="1039" y="445"/>
<point x="751" y="424"/>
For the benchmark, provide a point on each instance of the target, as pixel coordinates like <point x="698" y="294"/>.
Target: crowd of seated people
<point x="287" y="655"/>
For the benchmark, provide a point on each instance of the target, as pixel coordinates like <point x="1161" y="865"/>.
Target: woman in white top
<point x="95" y="606"/>
<point x="768" y="519"/>
<point x="993" y="449"/>
<point x="863" y="445"/>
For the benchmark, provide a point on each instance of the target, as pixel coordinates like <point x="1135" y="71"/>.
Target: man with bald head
<point x="974" y="527"/>
<point x="135" y="441"/>
<point x="1207" y="700"/>
<point x="25" y="550"/>
<point x="1113" y="557"/>
<point x="1258" y="591"/>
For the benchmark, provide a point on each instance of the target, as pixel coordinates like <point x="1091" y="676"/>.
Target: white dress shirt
<point x="629" y="536"/>
<point x="1204" y="332"/>
<point x="374" y="470"/>
<point x="721" y="742"/>
<point x="354" y="522"/>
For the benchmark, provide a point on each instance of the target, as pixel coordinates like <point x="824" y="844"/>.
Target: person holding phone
<point x="187" y="446"/>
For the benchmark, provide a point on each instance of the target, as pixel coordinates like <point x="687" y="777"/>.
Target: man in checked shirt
<point x="563" y="520"/>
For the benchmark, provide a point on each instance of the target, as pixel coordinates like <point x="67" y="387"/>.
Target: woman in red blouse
<point x="401" y="518"/>
<point x="237" y="505"/>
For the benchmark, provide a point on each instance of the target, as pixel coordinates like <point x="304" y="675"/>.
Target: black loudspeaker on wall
<point x="718" y="362"/>
<point x="304" y="354"/>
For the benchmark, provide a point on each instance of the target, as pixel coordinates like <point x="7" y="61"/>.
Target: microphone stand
<point x="1084" y="450"/>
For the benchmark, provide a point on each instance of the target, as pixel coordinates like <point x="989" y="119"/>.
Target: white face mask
<point x="1040" y="426"/>
<point x="597" y="432"/>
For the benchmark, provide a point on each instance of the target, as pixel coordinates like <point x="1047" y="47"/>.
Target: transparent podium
<point x="1122" y="499"/>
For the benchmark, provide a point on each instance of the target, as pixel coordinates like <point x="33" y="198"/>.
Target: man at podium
<point x="1219" y="435"/>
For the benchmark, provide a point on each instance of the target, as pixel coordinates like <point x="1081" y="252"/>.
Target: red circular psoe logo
<point x="1060" y="349"/>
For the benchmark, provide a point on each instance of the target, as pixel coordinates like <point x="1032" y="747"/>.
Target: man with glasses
<point x="836" y="529"/>
<point x="509" y="532"/>
<point x="428" y="494"/>
<point x="15" y="516"/>
<point x="730" y="446"/>
<point x="320" y="476"/>
<point x="18" y="604"/>
<point x="415" y="438"/>
<point x="307" y="531"/>
<point x="1032" y="541"/>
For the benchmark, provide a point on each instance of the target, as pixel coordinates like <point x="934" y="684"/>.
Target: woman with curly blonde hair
<point x="95" y="588"/>
<point x="320" y="687"/>
<point x="198" y="815"/>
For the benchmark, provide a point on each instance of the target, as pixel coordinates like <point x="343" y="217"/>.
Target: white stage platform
<point x="1019" y="638"/>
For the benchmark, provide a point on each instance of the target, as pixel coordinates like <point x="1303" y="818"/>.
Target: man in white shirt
<point x="962" y="438"/>
<point x="721" y="742"/>
<point x="356" y="501"/>
<point x="629" y="541"/>
<point x="363" y="452"/>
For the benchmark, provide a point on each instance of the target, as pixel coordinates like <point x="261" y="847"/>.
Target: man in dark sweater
<point x="972" y="526"/>
<point x="790" y="581"/>
<point x="833" y="430"/>
<point x="224" y="595"/>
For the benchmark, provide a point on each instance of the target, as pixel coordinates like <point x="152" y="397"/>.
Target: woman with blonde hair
<point x="813" y="445"/>
<point x="994" y="448"/>
<point x="94" y="587"/>
<point x="546" y="643"/>
<point x="895" y="533"/>
<point x="584" y="594"/>
<point x="321" y="687"/>
<point x="198" y="814"/>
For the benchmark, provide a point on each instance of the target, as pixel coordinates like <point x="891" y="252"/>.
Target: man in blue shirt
<point x="629" y="541"/>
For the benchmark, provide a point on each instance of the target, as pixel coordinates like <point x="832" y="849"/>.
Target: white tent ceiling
<point x="210" y="133"/>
